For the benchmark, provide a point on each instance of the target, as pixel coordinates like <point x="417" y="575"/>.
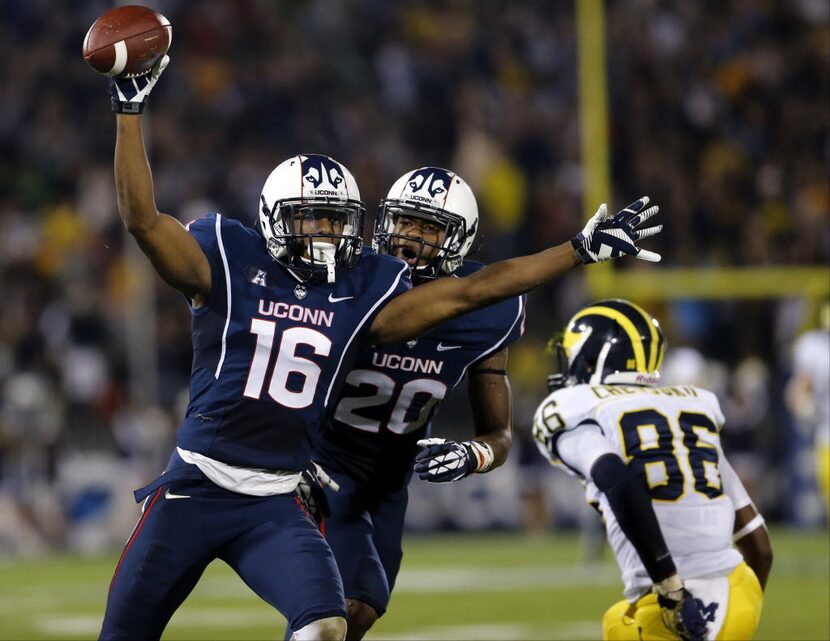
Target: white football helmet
<point x="311" y="187"/>
<point x="444" y="199"/>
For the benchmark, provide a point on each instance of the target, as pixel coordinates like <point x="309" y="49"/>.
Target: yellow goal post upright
<point x="656" y="283"/>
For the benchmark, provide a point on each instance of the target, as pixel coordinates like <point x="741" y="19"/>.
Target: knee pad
<point x="328" y="629"/>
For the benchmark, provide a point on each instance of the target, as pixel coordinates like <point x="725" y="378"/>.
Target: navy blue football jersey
<point x="270" y="353"/>
<point x="393" y="392"/>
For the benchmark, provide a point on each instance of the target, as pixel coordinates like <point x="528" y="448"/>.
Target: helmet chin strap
<point x="325" y="253"/>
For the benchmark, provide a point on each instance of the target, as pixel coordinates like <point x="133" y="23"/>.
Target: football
<point x="127" y="41"/>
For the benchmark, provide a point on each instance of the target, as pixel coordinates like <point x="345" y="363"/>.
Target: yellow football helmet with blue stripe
<point x="610" y="342"/>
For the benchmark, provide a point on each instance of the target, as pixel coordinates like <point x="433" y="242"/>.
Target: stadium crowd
<point x="718" y="110"/>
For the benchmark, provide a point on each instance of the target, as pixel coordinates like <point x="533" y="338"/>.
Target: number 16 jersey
<point x="270" y="352"/>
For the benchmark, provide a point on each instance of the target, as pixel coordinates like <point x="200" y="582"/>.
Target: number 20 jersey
<point x="394" y="391"/>
<point x="672" y="436"/>
<point x="269" y="352"/>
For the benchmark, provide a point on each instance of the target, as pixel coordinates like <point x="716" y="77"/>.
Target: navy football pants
<point x="365" y="532"/>
<point x="269" y="541"/>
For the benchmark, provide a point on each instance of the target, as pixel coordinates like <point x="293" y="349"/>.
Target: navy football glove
<point x="311" y="493"/>
<point x="681" y="614"/>
<point x="442" y="461"/>
<point x="128" y="94"/>
<point x="607" y="237"/>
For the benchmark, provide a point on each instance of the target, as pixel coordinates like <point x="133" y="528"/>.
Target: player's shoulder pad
<point x="378" y="269"/>
<point x="711" y="402"/>
<point x="231" y="227"/>
<point x="567" y="407"/>
<point x="369" y="258"/>
<point x="208" y="221"/>
<point x="468" y="267"/>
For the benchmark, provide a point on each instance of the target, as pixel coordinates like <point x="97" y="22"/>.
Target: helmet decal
<point x="322" y="175"/>
<point x="612" y="342"/>
<point x="628" y="327"/>
<point x="471" y="232"/>
<point x="432" y="180"/>
<point x="647" y="327"/>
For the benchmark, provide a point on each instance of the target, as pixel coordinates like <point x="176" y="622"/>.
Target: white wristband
<point x="753" y="525"/>
<point x="484" y="456"/>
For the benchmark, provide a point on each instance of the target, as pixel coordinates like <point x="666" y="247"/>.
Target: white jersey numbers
<point x="287" y="362"/>
<point x="413" y="402"/>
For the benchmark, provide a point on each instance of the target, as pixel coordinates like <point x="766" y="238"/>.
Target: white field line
<point x="483" y="579"/>
<point x="459" y="580"/>
<point x="185" y="619"/>
<point x="87" y="626"/>
<point x="576" y="630"/>
<point x="436" y="579"/>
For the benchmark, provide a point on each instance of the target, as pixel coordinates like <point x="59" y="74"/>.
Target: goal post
<point x="653" y="283"/>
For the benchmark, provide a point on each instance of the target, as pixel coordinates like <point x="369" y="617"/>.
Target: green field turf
<point x="451" y="587"/>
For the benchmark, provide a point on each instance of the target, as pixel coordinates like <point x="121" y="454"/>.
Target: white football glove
<point x="128" y="94"/>
<point x="441" y="461"/>
<point x="607" y="237"/>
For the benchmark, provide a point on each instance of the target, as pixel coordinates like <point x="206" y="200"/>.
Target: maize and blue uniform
<point x="369" y="445"/>
<point x="670" y="435"/>
<point x="269" y="353"/>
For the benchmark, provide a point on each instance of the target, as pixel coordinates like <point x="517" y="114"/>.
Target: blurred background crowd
<point x="718" y="110"/>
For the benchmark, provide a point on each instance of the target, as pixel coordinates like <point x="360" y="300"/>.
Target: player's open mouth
<point x="407" y="253"/>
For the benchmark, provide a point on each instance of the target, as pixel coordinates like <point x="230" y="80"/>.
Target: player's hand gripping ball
<point x="126" y="42"/>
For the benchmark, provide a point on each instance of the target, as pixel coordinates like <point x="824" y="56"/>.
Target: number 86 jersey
<point x="671" y="436"/>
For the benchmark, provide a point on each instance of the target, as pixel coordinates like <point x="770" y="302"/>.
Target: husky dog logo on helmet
<point x="433" y="180"/>
<point x="317" y="169"/>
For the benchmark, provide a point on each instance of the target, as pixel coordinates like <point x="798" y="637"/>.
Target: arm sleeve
<point x="732" y="484"/>
<point x="397" y="281"/>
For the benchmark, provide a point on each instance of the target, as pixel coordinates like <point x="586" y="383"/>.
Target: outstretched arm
<point x="411" y="314"/>
<point x="174" y="253"/>
<point x="441" y="460"/>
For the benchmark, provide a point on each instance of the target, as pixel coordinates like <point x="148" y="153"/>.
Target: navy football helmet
<point x="311" y="216"/>
<point x="435" y="198"/>
<point x="608" y="342"/>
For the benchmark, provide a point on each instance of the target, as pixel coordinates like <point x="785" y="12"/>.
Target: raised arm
<point x="174" y="253"/>
<point x="441" y="460"/>
<point x="411" y="314"/>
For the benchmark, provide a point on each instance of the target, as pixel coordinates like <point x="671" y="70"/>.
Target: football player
<point x="808" y="395"/>
<point x="651" y="462"/>
<point x="279" y="315"/>
<point x="429" y="219"/>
